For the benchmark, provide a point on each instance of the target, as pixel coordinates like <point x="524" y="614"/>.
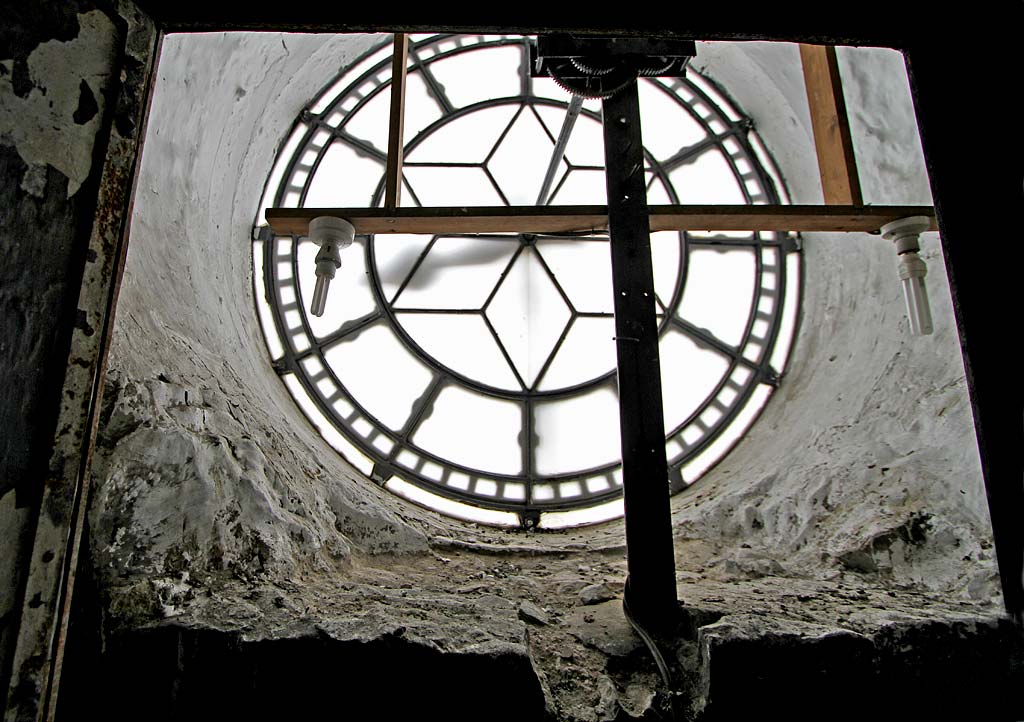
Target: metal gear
<point x="590" y="67"/>
<point x="654" y="67"/>
<point x="603" y="86"/>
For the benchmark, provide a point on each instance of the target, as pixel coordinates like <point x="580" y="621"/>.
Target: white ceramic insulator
<point x="912" y="271"/>
<point x="331" y="229"/>
<point x="331" y="234"/>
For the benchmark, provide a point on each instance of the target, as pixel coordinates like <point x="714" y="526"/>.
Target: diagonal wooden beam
<point x="840" y="183"/>
<point x="562" y="219"/>
<point x="396" y="127"/>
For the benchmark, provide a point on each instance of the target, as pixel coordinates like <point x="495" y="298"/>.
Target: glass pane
<point x="380" y="373"/>
<point x="719" y="292"/>
<point x="462" y="343"/>
<point x="528" y="314"/>
<point x="473" y="430"/>
<point x="577" y="432"/>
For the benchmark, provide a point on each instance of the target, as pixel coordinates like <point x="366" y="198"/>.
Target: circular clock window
<point x="475" y="373"/>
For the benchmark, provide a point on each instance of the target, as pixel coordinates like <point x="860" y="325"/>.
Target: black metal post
<point x="651" y="592"/>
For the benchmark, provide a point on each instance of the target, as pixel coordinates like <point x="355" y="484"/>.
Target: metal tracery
<point x="751" y="364"/>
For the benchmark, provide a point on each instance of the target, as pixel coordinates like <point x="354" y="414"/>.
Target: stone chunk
<point x="596" y="593"/>
<point x="532" y="614"/>
<point x="604" y="628"/>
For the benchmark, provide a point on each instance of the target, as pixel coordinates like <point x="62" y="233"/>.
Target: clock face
<point x="475" y="373"/>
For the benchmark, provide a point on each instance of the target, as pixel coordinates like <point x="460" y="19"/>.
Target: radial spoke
<point x="348" y="329"/>
<point x="551" y="356"/>
<point x="527" y="438"/>
<point x="705" y="338"/>
<point x="434" y="88"/>
<point x="554" y="280"/>
<point x="504" y="352"/>
<point x="691" y="152"/>
<point x="360" y="146"/>
<point x="421" y="408"/>
<point x="412" y="271"/>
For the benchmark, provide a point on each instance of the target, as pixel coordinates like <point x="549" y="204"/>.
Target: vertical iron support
<point x="651" y="557"/>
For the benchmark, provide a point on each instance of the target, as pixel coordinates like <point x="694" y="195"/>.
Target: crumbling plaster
<point x="217" y="506"/>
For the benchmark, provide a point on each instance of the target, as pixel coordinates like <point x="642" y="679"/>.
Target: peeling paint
<point x="69" y="89"/>
<point x="87" y="107"/>
<point x="33" y="181"/>
<point x="55" y="123"/>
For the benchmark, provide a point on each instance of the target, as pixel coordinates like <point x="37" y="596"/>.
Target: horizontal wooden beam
<point x="567" y="219"/>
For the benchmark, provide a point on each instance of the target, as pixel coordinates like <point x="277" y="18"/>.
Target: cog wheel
<point x="593" y="66"/>
<point x="604" y="86"/>
<point x="653" y="67"/>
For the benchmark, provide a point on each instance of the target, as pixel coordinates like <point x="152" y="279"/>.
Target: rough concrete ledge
<point x="928" y="669"/>
<point x="196" y="674"/>
<point x="748" y="647"/>
<point x="483" y="654"/>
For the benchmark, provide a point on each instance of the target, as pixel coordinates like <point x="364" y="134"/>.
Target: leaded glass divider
<point x="480" y="367"/>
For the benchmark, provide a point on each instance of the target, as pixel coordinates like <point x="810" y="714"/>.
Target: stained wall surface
<point x="55" y="82"/>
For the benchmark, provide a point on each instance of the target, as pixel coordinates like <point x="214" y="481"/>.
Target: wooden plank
<point x="837" y="165"/>
<point x="396" y="127"/>
<point x="562" y="219"/>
